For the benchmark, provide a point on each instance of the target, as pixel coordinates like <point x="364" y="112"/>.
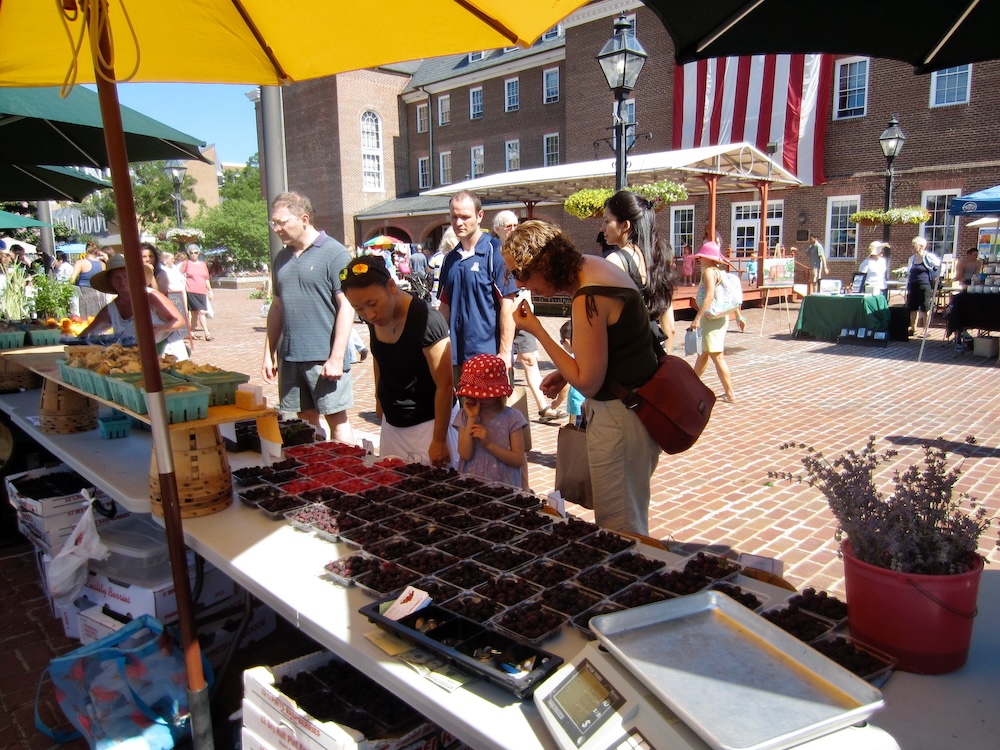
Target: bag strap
<point x="59" y="735"/>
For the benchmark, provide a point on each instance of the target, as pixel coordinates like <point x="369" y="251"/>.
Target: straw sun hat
<point x="102" y="283"/>
<point x="484" y="376"/>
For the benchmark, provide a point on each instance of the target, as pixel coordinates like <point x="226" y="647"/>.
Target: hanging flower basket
<point x="184" y="234"/>
<point x="901" y="215"/>
<point x="589" y="202"/>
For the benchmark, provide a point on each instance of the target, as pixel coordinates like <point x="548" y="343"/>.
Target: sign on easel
<point x="778" y="272"/>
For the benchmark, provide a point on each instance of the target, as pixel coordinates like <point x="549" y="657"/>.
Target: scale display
<point x="583" y="702"/>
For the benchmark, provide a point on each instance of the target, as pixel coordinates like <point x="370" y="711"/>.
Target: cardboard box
<point x="985" y="346"/>
<point x="94" y="624"/>
<point x="43" y="506"/>
<point x="275" y="718"/>
<point x="50" y="533"/>
<point x="250" y="741"/>
<point x="158" y="600"/>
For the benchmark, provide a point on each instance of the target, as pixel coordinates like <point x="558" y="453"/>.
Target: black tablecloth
<point x="975" y="311"/>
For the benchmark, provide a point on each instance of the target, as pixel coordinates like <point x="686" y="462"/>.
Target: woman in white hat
<point x="713" y="330"/>
<point x="873" y="267"/>
<point x="118" y="314"/>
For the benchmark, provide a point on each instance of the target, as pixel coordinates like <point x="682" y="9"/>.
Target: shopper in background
<point x="151" y="257"/>
<point x="434" y="263"/>
<point x="817" y="261"/>
<point x="713" y="330"/>
<point x="922" y="269"/>
<point x="968" y="268"/>
<point x="198" y="287"/>
<point x="91" y="301"/>
<point x="873" y="267"/>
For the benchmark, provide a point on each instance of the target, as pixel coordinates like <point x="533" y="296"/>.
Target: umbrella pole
<point x="114" y="138"/>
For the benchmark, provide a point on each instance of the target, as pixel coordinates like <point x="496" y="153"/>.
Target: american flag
<point x="783" y="99"/>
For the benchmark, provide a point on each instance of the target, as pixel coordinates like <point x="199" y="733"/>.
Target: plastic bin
<point x="11" y="339"/>
<point x="222" y="384"/>
<point x="139" y="552"/>
<point x="185" y="406"/>
<point x="44" y="336"/>
<point x="118" y="426"/>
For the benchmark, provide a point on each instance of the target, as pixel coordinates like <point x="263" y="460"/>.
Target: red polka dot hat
<point x="484" y="376"/>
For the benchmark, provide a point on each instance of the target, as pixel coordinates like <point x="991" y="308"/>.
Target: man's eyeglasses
<point x="279" y="223"/>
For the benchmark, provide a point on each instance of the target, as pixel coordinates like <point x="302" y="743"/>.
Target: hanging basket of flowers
<point x="184" y="235"/>
<point x="589" y="202"/>
<point x="901" y="215"/>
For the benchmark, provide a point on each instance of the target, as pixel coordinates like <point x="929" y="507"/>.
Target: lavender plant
<point x="920" y="528"/>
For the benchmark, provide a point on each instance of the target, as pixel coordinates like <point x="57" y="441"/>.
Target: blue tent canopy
<point x="977" y="204"/>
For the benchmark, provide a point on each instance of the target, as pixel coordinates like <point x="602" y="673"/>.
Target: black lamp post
<point x="621" y="60"/>
<point x="175" y="170"/>
<point x="891" y="141"/>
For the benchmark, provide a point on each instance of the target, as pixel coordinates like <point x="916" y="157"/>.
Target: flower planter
<point x="925" y="621"/>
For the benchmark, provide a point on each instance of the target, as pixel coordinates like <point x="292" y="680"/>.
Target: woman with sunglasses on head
<point x="612" y="341"/>
<point x="412" y="353"/>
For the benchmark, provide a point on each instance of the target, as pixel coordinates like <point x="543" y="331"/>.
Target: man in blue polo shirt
<point x="476" y="290"/>
<point x="310" y="321"/>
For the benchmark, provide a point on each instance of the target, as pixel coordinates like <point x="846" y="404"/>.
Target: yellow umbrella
<point x="229" y="41"/>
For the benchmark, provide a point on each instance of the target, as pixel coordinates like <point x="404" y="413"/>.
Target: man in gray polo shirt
<point x="310" y="321"/>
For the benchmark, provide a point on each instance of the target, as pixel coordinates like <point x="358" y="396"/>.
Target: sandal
<point x="208" y="337"/>
<point x="548" y="414"/>
<point x="727" y="399"/>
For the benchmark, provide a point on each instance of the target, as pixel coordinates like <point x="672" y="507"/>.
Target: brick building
<point x="444" y="120"/>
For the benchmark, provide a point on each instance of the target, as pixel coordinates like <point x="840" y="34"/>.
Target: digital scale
<point x="595" y="703"/>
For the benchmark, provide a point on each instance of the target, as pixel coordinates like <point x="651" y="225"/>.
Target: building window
<point x="852" y="88"/>
<point x="512" y="150"/>
<point x="682" y="228"/>
<point x="841" y="234"/>
<point x="478" y="158"/>
<point x="746" y="225"/>
<point x="509" y="49"/>
<point x="554" y="33"/>
<point x="444" y="109"/>
<point x="371" y="151"/>
<point x="941" y="232"/>
<point x="551" y="149"/>
<point x="512" y="95"/>
<point x="951" y="86"/>
<point x="550" y="81"/>
<point x="424" y="171"/>
<point x="476" y="103"/>
<point x="444" y="168"/>
<point x="476" y="56"/>
<point x="423" y="118"/>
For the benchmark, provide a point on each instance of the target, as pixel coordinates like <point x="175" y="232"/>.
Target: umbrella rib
<point x="951" y="32"/>
<point x="49" y="185"/>
<point x="265" y="48"/>
<point x="73" y="143"/>
<point x="728" y="24"/>
<point x="489" y="21"/>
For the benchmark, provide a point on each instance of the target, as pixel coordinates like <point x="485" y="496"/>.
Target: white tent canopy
<point x="739" y="167"/>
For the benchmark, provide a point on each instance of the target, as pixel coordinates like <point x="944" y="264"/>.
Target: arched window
<point x="371" y="151"/>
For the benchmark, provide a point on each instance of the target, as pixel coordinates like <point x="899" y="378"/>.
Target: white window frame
<point x="511" y="95"/>
<point x="475" y="114"/>
<point x="482" y="161"/>
<point x="750" y="222"/>
<point x="851" y="230"/>
<point x="547" y="151"/>
<point x="554" y="33"/>
<point x="372" y="178"/>
<point x="546" y="97"/>
<point x="424" y="172"/>
<point x="444" y="109"/>
<point x="444" y="169"/>
<point x="937" y="75"/>
<point x="936" y="245"/>
<point x="423" y="118"/>
<point x="476" y="56"/>
<point x="679" y="239"/>
<point x="836" y="87"/>
<point x="508" y="49"/>
<point x="510" y="147"/>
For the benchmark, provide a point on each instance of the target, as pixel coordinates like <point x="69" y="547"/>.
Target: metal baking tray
<point x="738" y="681"/>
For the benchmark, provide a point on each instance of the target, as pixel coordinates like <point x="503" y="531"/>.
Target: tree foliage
<point x="154" y="198"/>
<point x="239" y="226"/>
<point x="242" y="184"/>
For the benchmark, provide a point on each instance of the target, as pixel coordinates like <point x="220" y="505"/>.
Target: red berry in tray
<point x="386" y="577"/>
<point x="352" y="565"/>
<point x="820" y="603"/>
<point x="430" y="534"/>
<point x="604" y="581"/>
<point x="428" y="561"/>
<point x="503" y="557"/>
<point x="579" y="555"/>
<point x="546" y="572"/>
<point x="498" y="533"/>
<point x="711" y="566"/>
<point x="394" y="548"/>
<point x="507" y="589"/>
<point x="680" y="582"/>
<point x="636" y="564"/>
<point x="568" y="598"/>
<point x="639" y="594"/>
<point x="574" y="528"/>
<point x="539" y="542"/>
<point x="608" y="541"/>
<point x="532" y="621"/>
<point x="463" y="546"/>
<point x="474" y="607"/>
<point x="528" y="519"/>
<point x="798" y="622"/>
<point x="746" y="598"/>
<point x="465" y="574"/>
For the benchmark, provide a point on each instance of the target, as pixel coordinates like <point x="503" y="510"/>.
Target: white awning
<point x="740" y="167"/>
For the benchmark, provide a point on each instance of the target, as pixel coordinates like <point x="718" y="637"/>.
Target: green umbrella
<point x="38" y="126"/>
<point x="36" y="183"/>
<point x="16" y="221"/>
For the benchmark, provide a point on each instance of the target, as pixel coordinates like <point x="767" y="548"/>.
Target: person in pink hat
<point x="490" y="440"/>
<point x="713" y="330"/>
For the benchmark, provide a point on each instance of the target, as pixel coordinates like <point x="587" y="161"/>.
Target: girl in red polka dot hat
<point x="490" y="441"/>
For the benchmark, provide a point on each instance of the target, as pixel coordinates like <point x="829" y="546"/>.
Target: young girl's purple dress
<point x="484" y="464"/>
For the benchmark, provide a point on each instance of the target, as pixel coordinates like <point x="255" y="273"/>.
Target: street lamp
<point x="621" y="60"/>
<point x="891" y="142"/>
<point x="175" y="170"/>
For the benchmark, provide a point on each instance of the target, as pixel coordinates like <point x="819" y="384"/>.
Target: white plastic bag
<point x="692" y="342"/>
<point x="68" y="570"/>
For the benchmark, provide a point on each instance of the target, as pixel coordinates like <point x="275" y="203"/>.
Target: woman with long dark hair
<point x="630" y="223"/>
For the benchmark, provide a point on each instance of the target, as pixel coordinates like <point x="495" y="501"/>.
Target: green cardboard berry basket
<point x="223" y="385"/>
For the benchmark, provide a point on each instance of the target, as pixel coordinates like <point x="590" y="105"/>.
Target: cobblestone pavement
<point x="718" y="493"/>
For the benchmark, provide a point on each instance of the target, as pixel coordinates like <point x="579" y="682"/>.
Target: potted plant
<point x="589" y="202"/>
<point x="911" y="559"/>
<point x="184" y="235"/>
<point x="893" y="216"/>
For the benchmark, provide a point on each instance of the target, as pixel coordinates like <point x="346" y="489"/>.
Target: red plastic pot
<point x="925" y="621"/>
